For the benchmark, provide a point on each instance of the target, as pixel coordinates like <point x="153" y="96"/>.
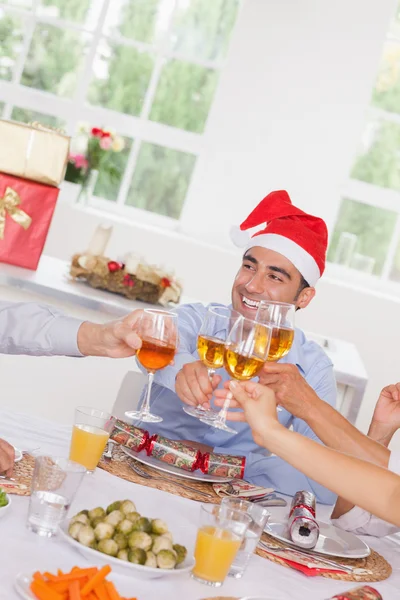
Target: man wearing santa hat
<point x="281" y="262"/>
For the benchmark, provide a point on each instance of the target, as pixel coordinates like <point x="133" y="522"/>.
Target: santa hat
<point x="300" y="237"/>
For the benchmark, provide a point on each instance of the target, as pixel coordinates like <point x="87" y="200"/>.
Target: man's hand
<point x="193" y="385"/>
<point x="386" y="418"/>
<point x="258" y="403"/>
<point x="7" y="456"/>
<point x="116" y="339"/>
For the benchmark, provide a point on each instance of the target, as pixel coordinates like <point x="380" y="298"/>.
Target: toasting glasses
<point x="159" y="333"/>
<point x="280" y="317"/>
<point x="211" y="348"/>
<point x="246" y="351"/>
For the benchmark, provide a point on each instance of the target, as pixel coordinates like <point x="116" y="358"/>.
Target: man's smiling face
<point x="267" y="275"/>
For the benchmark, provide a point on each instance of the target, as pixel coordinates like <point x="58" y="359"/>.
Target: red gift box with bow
<point x="26" y="210"/>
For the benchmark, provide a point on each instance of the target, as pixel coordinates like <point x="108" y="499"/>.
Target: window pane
<point x="379" y="160"/>
<point x="111" y="173"/>
<point x="54" y="60"/>
<point x="27" y="4"/>
<point x="11" y="37"/>
<point x="373" y="227"/>
<point x="202" y="28"/>
<point x="29" y="116"/>
<point x="161" y="180"/>
<point x="70" y="10"/>
<point x="184" y="95"/>
<point x="140" y="20"/>
<point x="121" y="78"/>
<point x="386" y="94"/>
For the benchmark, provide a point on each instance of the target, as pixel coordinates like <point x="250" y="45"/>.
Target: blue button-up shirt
<point x="261" y="468"/>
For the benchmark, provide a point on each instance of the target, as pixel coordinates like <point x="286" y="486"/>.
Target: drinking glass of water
<point x="54" y="484"/>
<point x="259" y="517"/>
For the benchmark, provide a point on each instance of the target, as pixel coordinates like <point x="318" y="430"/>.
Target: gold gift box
<point x="33" y="152"/>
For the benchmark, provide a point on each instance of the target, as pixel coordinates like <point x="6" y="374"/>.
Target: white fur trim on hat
<point x="302" y="260"/>
<point x="239" y="238"/>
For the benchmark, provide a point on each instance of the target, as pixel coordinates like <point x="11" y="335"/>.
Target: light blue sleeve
<point x="190" y="317"/>
<point x="272" y="471"/>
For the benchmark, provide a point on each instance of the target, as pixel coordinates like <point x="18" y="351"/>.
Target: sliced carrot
<point x="59" y="572"/>
<point x="112" y="592"/>
<point x="38" y="576"/>
<point x="61" y="587"/>
<point x="74" y="590"/>
<point x="96" y="579"/>
<point x="101" y="591"/>
<point x="78" y="574"/>
<point x="44" y="592"/>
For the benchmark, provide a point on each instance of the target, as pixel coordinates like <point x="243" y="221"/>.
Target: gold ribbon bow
<point x="9" y="204"/>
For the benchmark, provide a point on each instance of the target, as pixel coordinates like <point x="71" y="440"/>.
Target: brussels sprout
<point x="142" y="524"/>
<point x="133" y="516"/>
<point x="80" y="518"/>
<point x="121" y="540"/>
<point x="95" y="513"/>
<point x="114" y="517"/>
<point x="161" y="543"/>
<point x="181" y="553"/>
<point x="125" y="527"/>
<point x="83" y="512"/>
<point x="109" y="547"/>
<point x="166" y="559"/>
<point x="86" y="535"/>
<point x="123" y="554"/>
<point x="139" y="539"/>
<point x="151" y="560"/>
<point x="104" y="531"/>
<point x="113" y="506"/>
<point x="127" y="506"/>
<point x="74" y="528"/>
<point x="137" y="556"/>
<point x="158" y="526"/>
<point x="169" y="537"/>
<point x="96" y="521"/>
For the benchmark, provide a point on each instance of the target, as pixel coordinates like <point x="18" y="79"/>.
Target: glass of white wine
<point x="280" y="316"/>
<point x="211" y="348"/>
<point x="159" y="333"/>
<point x="246" y="351"/>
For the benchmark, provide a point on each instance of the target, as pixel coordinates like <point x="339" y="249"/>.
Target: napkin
<point x="308" y="565"/>
<point x="241" y="489"/>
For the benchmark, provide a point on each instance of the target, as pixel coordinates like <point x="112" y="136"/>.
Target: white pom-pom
<point x="239" y="238"/>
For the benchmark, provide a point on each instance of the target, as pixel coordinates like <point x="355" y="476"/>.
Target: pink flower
<point x="105" y="143"/>
<point x="79" y="160"/>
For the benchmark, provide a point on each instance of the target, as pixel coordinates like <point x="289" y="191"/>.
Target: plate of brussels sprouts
<point x="120" y="536"/>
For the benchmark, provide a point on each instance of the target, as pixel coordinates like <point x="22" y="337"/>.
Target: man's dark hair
<point x="303" y="284"/>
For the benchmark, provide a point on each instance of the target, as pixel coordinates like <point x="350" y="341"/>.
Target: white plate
<point x="22" y="583"/>
<point x="18" y="454"/>
<point x="332" y="541"/>
<point x="122" y="566"/>
<point x="166" y="468"/>
<point x="5" y="509"/>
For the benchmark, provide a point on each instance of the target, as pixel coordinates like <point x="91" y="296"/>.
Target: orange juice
<point x="87" y="445"/>
<point x="214" y="553"/>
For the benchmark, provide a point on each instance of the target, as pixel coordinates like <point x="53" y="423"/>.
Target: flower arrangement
<point x="90" y="151"/>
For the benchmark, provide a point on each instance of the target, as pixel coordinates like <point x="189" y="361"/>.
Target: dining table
<point x="22" y="551"/>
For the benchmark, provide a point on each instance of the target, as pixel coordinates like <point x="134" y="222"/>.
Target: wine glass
<point x="211" y="347"/>
<point x="246" y="351"/>
<point x="280" y="316"/>
<point x="159" y="333"/>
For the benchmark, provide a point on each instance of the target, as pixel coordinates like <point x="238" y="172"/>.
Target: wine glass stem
<point x="224" y="409"/>
<point x="211" y="373"/>
<point x="146" y="404"/>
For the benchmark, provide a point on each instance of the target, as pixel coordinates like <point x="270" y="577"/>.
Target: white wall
<point x="288" y="114"/>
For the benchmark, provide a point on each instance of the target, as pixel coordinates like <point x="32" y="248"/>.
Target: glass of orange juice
<point x="89" y="436"/>
<point x="221" y="532"/>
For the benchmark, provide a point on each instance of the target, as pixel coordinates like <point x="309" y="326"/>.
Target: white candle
<point x="100" y="239"/>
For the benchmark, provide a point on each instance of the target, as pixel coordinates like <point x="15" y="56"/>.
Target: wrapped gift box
<point x="26" y="210"/>
<point x="33" y="152"/>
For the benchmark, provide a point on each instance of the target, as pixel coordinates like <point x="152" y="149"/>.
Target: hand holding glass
<point x="159" y="333"/>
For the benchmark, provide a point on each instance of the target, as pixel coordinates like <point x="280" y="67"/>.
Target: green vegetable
<point x="161" y="543"/>
<point x="96" y="513"/>
<point x="125" y="527"/>
<point x="137" y="556"/>
<point x="133" y="516"/>
<point x="181" y="553"/>
<point x="86" y="535"/>
<point x="127" y="506"/>
<point x="159" y="527"/>
<point x="140" y="539"/>
<point x="114" y="517"/>
<point x="151" y="560"/>
<point x="103" y="531"/>
<point x="113" y="506"/>
<point x="142" y="524"/>
<point x="74" y="528"/>
<point x="166" y="559"/>
<point x="123" y="554"/>
<point x="121" y="540"/>
<point x="109" y="547"/>
<point x="80" y="518"/>
<point x="3" y="498"/>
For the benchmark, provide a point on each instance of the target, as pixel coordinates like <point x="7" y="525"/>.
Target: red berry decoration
<point x="114" y="266"/>
<point x="165" y="282"/>
<point x="128" y="281"/>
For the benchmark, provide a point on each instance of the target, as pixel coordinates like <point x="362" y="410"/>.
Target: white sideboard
<point x="97" y="381"/>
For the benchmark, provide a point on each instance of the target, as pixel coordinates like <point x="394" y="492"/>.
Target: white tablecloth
<point x="21" y="550"/>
